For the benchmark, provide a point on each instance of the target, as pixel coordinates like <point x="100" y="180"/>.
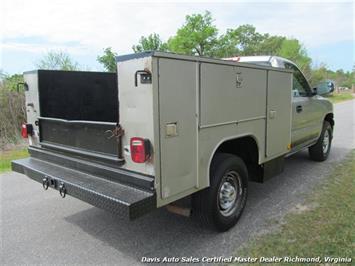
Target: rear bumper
<point x="121" y="199"/>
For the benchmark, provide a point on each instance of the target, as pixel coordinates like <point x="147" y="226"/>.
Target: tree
<point x="13" y="111"/>
<point x="271" y="45"/>
<point x="226" y="45"/>
<point x="198" y="36"/>
<point x="150" y="43"/>
<point x="342" y="78"/>
<point x="319" y="74"/>
<point x="293" y="50"/>
<point x="10" y="82"/>
<point x="108" y="60"/>
<point x="2" y="75"/>
<point x="246" y="41"/>
<point x="57" y="60"/>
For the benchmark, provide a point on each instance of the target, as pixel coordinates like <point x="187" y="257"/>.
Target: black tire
<point x="227" y="171"/>
<point x="319" y="152"/>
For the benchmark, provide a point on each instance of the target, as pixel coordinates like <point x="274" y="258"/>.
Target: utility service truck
<point x="167" y="127"/>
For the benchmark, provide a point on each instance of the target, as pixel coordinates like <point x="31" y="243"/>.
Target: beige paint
<point x="135" y="111"/>
<point x="177" y="105"/>
<point x="278" y="113"/>
<point x="32" y="104"/>
<point x="192" y="107"/>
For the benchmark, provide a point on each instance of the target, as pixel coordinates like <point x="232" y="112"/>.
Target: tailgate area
<point x="75" y="144"/>
<point x="83" y="137"/>
<point x="74" y="111"/>
<point x="119" y="191"/>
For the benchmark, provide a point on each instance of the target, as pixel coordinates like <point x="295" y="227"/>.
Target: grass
<point x="7" y="156"/>
<point x="324" y="226"/>
<point x="340" y="97"/>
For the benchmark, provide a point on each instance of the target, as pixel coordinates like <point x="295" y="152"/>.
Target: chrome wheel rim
<point x="229" y="193"/>
<point x="326" y="141"/>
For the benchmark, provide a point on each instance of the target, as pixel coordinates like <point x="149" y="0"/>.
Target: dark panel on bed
<point x="77" y="95"/>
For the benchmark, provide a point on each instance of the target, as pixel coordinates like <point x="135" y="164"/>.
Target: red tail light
<point x="26" y="130"/>
<point x="140" y="149"/>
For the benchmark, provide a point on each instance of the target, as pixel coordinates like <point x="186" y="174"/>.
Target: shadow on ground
<point x="161" y="233"/>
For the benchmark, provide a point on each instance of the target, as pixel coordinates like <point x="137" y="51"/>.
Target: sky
<point x="30" y="29"/>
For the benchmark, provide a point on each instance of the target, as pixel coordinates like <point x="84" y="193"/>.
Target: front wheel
<point x="320" y="151"/>
<point x="222" y="203"/>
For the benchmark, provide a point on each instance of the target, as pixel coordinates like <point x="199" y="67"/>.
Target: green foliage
<point x="226" y="45"/>
<point x="319" y="74"/>
<point x="150" y="43"/>
<point x="322" y="226"/>
<point x="13" y="112"/>
<point x="340" y="97"/>
<point x="248" y="40"/>
<point x="293" y="50"/>
<point x="271" y="45"/>
<point x="198" y="36"/>
<point x="7" y="156"/>
<point x="340" y="77"/>
<point x="57" y="60"/>
<point x="108" y="60"/>
<point x="10" y="82"/>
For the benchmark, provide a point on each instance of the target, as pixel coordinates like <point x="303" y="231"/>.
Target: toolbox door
<point x="278" y="133"/>
<point x="178" y="125"/>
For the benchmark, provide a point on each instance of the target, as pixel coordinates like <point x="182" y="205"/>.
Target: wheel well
<point x="247" y="149"/>
<point x="330" y="118"/>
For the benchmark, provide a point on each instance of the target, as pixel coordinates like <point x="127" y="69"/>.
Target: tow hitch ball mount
<point x="46" y="183"/>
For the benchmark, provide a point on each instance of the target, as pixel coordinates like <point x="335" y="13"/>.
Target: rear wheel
<point x="222" y="203"/>
<point x="320" y="151"/>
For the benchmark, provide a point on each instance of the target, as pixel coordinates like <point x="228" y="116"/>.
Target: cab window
<point x="300" y="85"/>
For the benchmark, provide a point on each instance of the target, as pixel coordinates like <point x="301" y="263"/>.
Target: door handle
<point x="299" y="108"/>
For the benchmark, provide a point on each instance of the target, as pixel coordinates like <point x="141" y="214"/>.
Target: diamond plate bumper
<point x="118" y="198"/>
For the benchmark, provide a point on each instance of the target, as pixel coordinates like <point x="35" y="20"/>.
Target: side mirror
<point x="324" y="87"/>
